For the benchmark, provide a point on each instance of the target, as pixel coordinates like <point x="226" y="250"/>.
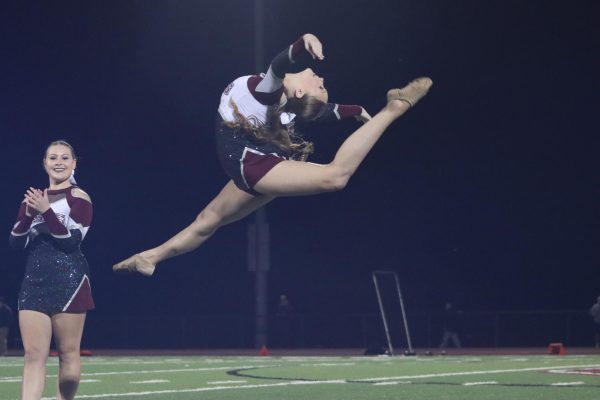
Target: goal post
<point x="377" y="275"/>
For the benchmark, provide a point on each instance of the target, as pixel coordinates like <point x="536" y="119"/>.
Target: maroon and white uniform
<point x="245" y="159"/>
<point x="56" y="271"/>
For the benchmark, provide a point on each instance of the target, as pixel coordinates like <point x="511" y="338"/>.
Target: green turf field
<point x="323" y="378"/>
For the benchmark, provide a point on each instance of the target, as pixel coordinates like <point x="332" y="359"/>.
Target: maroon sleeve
<point x="265" y="98"/>
<point x="295" y="53"/>
<point x="267" y="88"/>
<point x="82" y="212"/>
<point x="347" y="111"/>
<point x="23" y="221"/>
<point x="53" y="223"/>
<point x="335" y="112"/>
<point x="297" y="50"/>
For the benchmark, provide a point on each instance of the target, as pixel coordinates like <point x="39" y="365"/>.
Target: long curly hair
<point x="290" y="141"/>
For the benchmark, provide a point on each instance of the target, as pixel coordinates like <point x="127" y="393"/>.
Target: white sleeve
<point x="270" y="82"/>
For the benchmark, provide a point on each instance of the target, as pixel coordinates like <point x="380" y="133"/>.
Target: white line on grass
<point x="301" y="383"/>
<point x="467" y="373"/>
<point x="572" y="372"/>
<point x="480" y="383"/>
<point x="568" y="383"/>
<point x="202" y="389"/>
<point x="328" y="365"/>
<point x="151" y="381"/>
<point x="157" y="371"/>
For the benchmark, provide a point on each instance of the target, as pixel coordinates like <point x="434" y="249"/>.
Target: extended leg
<point x="36" y="332"/>
<point x="293" y="178"/>
<point x="230" y="205"/>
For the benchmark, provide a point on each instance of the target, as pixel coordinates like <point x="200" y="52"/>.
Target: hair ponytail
<point x="72" y="178"/>
<point x="306" y="108"/>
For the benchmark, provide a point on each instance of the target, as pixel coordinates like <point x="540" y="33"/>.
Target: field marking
<point x="575" y="372"/>
<point x="203" y="389"/>
<point x="151" y="381"/>
<point x="159" y="371"/>
<point x="329" y="382"/>
<point x="480" y="383"/>
<point x="467" y="373"/>
<point x="568" y="383"/>
<point x="329" y="364"/>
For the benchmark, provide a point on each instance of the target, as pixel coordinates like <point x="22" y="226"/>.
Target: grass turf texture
<point x="325" y="378"/>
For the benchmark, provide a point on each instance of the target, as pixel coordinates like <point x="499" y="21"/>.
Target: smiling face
<point x="308" y="83"/>
<point x="59" y="163"/>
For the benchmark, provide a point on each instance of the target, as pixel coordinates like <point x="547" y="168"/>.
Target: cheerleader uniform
<point x="245" y="159"/>
<point x="56" y="271"/>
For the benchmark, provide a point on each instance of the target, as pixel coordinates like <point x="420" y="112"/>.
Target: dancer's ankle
<point x="397" y="107"/>
<point x="151" y="256"/>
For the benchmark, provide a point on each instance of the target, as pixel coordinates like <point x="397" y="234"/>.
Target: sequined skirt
<point x="55" y="281"/>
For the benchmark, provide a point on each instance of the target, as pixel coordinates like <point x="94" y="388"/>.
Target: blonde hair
<point x="61" y="143"/>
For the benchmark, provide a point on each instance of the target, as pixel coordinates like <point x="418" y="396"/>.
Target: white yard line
<point x="157" y="371"/>
<point x="467" y="373"/>
<point x="329" y="382"/>
<point x="202" y="389"/>
<point x="571" y="372"/>
<point x="328" y="365"/>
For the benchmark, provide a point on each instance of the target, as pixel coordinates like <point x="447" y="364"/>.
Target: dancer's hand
<point x="313" y="46"/>
<point x="36" y="200"/>
<point x="29" y="211"/>
<point x="364" y="116"/>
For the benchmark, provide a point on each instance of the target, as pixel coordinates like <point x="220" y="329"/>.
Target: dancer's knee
<point x="69" y="357"/>
<point x="35" y="355"/>
<point x="206" y="222"/>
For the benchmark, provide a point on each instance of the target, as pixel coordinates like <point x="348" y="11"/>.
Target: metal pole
<point x="410" y="348"/>
<point x="261" y="231"/>
<point x="385" y="325"/>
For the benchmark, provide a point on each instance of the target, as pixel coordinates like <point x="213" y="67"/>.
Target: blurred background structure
<point x="486" y="194"/>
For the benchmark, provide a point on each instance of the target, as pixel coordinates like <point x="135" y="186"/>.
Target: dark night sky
<point x="486" y="193"/>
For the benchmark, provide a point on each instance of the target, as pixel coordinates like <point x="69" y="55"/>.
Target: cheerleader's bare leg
<point x="36" y="333"/>
<point x="68" y="329"/>
<point x="230" y="205"/>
